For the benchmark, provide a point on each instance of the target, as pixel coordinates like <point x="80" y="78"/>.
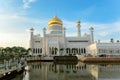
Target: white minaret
<point x="44" y="41"/>
<point x="31" y="38"/>
<point x="64" y="34"/>
<point x="91" y="35"/>
<point x="78" y="29"/>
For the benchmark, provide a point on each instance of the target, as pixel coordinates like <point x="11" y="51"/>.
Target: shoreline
<point x="100" y="59"/>
<point x="74" y="58"/>
<point x="12" y="74"/>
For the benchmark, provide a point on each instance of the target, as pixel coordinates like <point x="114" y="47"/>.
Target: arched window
<point x="81" y="50"/>
<point x="36" y="50"/>
<point x="84" y="50"/>
<point x="70" y="51"/>
<point x="41" y="50"/>
<point x="33" y="50"/>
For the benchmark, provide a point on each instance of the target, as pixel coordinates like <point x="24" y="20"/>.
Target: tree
<point x="1" y="51"/>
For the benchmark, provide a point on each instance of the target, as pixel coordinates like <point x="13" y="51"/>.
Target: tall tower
<point x="31" y="38"/>
<point x="44" y="41"/>
<point x="91" y="35"/>
<point x="64" y="32"/>
<point x="64" y="38"/>
<point x="78" y="29"/>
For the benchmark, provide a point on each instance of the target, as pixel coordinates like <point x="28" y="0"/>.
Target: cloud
<point x="103" y="34"/>
<point x="13" y="29"/>
<point x="26" y="3"/>
<point x="14" y="39"/>
<point x="102" y="31"/>
<point x="13" y="26"/>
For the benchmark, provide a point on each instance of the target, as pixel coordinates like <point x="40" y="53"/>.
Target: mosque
<point x="54" y="41"/>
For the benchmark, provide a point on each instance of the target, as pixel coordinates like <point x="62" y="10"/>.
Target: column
<point x="64" y="38"/>
<point x="44" y="41"/>
<point x="58" y="47"/>
<point x="31" y="40"/>
<point x="91" y="35"/>
<point x="78" y="29"/>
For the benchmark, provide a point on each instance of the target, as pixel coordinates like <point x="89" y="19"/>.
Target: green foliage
<point x="10" y="52"/>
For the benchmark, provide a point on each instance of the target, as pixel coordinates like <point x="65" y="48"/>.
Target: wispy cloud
<point x="103" y="31"/>
<point x="26" y="3"/>
<point x="14" y="29"/>
<point x="13" y="26"/>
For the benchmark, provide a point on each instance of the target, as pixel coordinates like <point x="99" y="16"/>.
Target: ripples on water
<point x="79" y="71"/>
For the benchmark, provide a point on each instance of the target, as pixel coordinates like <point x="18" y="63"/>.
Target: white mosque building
<point x="55" y="42"/>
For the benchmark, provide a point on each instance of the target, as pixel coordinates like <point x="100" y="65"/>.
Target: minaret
<point x="44" y="32"/>
<point x="44" y="41"/>
<point x="91" y="35"/>
<point x="78" y="29"/>
<point x="64" y="34"/>
<point x="31" y="38"/>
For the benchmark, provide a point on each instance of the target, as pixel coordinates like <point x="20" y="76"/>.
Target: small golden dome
<point x="55" y="20"/>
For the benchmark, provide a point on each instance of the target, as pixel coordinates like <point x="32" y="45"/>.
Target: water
<point x="79" y="71"/>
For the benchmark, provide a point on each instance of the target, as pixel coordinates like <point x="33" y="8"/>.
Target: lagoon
<point x="70" y="71"/>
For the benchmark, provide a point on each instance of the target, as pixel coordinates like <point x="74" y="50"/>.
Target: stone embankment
<point x="37" y="58"/>
<point x="53" y="58"/>
<point x="10" y="68"/>
<point x="100" y="59"/>
<point x="65" y="58"/>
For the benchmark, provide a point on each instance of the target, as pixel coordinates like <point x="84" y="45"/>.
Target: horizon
<point x="18" y="16"/>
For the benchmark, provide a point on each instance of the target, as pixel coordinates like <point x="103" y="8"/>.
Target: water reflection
<point x="80" y="71"/>
<point x="51" y="71"/>
<point x="105" y="71"/>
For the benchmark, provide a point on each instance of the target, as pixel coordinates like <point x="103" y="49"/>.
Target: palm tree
<point x="9" y="52"/>
<point x="2" y="52"/>
<point x="27" y="51"/>
<point x="15" y="50"/>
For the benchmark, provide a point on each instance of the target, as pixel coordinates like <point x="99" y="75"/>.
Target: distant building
<point x="104" y="49"/>
<point x="55" y="42"/>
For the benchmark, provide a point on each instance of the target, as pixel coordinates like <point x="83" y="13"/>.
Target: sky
<point x="18" y="16"/>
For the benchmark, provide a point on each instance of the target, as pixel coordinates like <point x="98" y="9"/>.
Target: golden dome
<point x="55" y="20"/>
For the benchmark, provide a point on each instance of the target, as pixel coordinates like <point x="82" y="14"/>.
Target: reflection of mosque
<point x="50" y="71"/>
<point x="105" y="72"/>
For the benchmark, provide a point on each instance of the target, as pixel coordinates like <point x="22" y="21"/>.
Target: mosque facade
<point x="54" y="41"/>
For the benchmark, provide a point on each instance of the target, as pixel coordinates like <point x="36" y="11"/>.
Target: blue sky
<point x="17" y="16"/>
